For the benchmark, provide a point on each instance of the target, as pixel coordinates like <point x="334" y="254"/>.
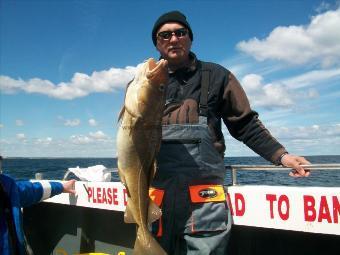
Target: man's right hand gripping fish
<point x="138" y="142"/>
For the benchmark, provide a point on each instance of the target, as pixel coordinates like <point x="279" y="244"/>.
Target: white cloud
<point x="99" y="135"/>
<point x="91" y="138"/>
<point x="323" y="7"/>
<point x="10" y="85"/>
<point x="272" y="94"/>
<point x="19" y="123"/>
<point x="312" y="78"/>
<point x="80" y="139"/>
<point x="44" y="141"/>
<point x="93" y="122"/>
<point x="302" y="140"/>
<point x="75" y="146"/>
<point x="21" y="136"/>
<point x="307" y="132"/>
<point x="2" y="125"/>
<point x="317" y="41"/>
<point x="72" y="123"/>
<point x="80" y="85"/>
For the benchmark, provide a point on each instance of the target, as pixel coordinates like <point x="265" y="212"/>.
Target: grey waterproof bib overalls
<point x="188" y="158"/>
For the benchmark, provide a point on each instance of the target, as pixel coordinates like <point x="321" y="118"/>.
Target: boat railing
<point x="235" y="168"/>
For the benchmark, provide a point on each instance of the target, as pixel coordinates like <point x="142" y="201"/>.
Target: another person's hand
<point x="69" y="186"/>
<point x="295" y="162"/>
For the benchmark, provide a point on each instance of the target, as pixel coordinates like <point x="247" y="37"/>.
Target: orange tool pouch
<point x="156" y="196"/>
<point x="207" y="193"/>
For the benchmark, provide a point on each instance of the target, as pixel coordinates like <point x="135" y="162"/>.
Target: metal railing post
<point x="234" y="176"/>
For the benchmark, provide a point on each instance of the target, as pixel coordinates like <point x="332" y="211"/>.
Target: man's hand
<point x="69" y="187"/>
<point x="295" y="162"/>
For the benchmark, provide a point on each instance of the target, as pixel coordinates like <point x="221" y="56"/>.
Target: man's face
<point x="173" y="43"/>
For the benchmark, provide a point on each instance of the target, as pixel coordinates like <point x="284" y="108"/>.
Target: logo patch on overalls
<point x="207" y="193"/>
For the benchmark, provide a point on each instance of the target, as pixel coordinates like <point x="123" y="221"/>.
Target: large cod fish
<point x="138" y="142"/>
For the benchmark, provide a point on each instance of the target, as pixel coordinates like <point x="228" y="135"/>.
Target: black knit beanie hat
<point x="173" y="16"/>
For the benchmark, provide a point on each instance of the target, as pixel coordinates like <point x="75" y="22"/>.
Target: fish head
<point x="146" y="94"/>
<point x="152" y="91"/>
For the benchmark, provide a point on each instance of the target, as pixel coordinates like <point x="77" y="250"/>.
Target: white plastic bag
<point x="97" y="173"/>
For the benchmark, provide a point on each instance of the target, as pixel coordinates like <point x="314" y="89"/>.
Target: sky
<point x="64" y="66"/>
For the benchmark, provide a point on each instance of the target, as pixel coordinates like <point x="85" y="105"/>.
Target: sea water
<point x="55" y="168"/>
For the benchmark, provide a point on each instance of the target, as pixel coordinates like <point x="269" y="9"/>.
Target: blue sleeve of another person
<point x="33" y="192"/>
<point x="22" y="194"/>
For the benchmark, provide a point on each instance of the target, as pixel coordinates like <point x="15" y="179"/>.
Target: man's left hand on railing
<point x="295" y="162"/>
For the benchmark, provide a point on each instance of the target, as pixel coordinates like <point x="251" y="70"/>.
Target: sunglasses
<point x="166" y="35"/>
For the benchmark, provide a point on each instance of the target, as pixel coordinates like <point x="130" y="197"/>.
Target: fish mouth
<point x="157" y="71"/>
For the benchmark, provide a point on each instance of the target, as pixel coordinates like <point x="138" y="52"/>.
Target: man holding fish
<point x="189" y="168"/>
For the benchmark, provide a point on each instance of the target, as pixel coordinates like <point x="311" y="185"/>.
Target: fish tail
<point x="147" y="244"/>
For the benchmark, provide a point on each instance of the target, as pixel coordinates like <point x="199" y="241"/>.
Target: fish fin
<point x="146" y="244"/>
<point x="154" y="212"/>
<point x="121" y="176"/>
<point x="153" y="171"/>
<point x="122" y="180"/>
<point x="121" y="113"/>
<point x="128" y="216"/>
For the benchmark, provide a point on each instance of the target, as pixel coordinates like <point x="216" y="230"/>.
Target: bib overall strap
<point x="203" y="105"/>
